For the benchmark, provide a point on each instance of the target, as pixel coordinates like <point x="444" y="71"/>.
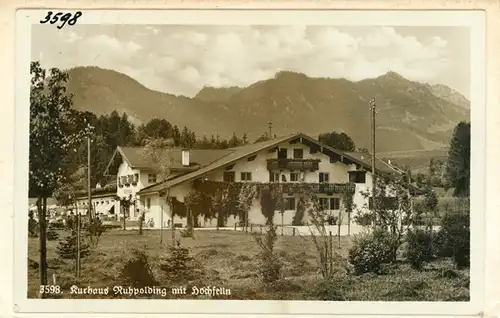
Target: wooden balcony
<point x="293" y="164"/>
<point x="320" y="187"/>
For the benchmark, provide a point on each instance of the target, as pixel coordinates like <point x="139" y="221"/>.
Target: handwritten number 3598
<point x="62" y="17"/>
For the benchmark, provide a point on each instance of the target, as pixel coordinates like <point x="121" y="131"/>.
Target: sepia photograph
<point x="249" y="158"/>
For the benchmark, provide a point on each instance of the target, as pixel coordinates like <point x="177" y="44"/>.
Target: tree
<point x="155" y="128"/>
<point x="264" y="137"/>
<point x="391" y="209"/>
<point x="176" y="135"/>
<point x="338" y="141"/>
<point x="156" y="152"/>
<point x="234" y="141"/>
<point x="458" y="165"/>
<point x="244" y="139"/>
<point x="52" y="136"/>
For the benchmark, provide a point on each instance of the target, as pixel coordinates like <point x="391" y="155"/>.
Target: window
<point x="294" y="176"/>
<point x="298" y="153"/>
<point x="334" y="203"/>
<point x="151" y="178"/>
<point x="324" y="177"/>
<point x="329" y="203"/>
<point x="148" y="203"/>
<point x="228" y="176"/>
<point x="282" y="153"/>
<point x="357" y="176"/>
<point x="274" y="176"/>
<point x="323" y="203"/>
<point x="289" y="203"/>
<point x="136" y="178"/>
<point x="246" y="176"/>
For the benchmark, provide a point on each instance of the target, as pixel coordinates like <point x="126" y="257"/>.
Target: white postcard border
<point x="475" y="20"/>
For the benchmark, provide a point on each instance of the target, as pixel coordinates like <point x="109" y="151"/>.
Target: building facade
<point x="294" y="159"/>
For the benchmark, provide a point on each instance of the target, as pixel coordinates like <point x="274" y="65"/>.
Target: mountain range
<point x="410" y="115"/>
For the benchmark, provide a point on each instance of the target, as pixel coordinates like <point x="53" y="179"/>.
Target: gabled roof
<point x="241" y="152"/>
<point x="198" y="158"/>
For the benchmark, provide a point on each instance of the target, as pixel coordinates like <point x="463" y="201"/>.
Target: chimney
<point x="185" y="157"/>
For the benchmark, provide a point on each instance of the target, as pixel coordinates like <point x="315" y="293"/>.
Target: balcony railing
<point x="293" y="164"/>
<point x="319" y="187"/>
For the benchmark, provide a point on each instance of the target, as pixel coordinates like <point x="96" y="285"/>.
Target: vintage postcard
<point x="250" y="162"/>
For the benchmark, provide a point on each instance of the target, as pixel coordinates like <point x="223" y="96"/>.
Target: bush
<point x="333" y="290"/>
<point x="454" y="238"/>
<point x="94" y="230"/>
<point x="178" y="265"/>
<point x="364" y="220"/>
<point x="136" y="271"/>
<point x="32" y="225"/>
<point x="370" y="251"/>
<point x="270" y="267"/>
<point x="419" y="247"/>
<point x="67" y="248"/>
<point x="270" y="264"/>
<point x="52" y="235"/>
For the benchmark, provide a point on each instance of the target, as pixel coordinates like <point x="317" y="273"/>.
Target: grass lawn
<point x="230" y="260"/>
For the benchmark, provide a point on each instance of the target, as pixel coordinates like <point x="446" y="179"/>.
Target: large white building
<point x="290" y="159"/>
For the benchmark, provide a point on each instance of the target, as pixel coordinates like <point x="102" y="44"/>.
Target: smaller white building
<point x="103" y="202"/>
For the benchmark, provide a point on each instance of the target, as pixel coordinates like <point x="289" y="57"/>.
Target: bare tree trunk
<point x="124" y="213"/>
<point x="42" y="212"/>
<point x="172" y="224"/>
<point x="141" y="222"/>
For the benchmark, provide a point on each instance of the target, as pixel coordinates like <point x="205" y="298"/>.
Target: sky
<point x="182" y="59"/>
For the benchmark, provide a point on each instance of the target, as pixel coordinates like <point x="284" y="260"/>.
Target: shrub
<point x="136" y="271"/>
<point x="32" y="225"/>
<point x="419" y="247"/>
<point x="363" y="220"/>
<point x="94" y="230"/>
<point x="270" y="264"/>
<point x="67" y="248"/>
<point x="454" y="238"/>
<point x="328" y="289"/>
<point x="178" y="265"/>
<point x="52" y="235"/>
<point x="370" y="251"/>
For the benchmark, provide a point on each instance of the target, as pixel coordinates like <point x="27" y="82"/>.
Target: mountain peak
<point x="290" y="74"/>
<point x="393" y="76"/>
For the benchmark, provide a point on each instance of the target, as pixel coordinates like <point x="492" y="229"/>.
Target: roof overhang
<point x="344" y="158"/>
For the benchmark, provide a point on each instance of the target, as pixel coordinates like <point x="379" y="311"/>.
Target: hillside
<point x="410" y="114"/>
<point x="217" y="94"/>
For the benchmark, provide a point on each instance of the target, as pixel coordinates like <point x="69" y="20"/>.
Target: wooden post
<point x="349" y="223"/>
<point x="260" y="228"/>
<point x="234" y="226"/>
<point x="42" y="223"/>
<point x="78" y="244"/>
<point x="373" y="108"/>
<point x="293" y="231"/>
<point x="161" y="221"/>
<point x="88" y="180"/>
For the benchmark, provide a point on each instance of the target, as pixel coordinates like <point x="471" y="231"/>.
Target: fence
<point x="304" y="230"/>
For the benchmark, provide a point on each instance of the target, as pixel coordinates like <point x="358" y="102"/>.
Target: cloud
<point x="183" y="59"/>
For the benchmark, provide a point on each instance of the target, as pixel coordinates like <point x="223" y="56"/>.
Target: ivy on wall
<point x="216" y="199"/>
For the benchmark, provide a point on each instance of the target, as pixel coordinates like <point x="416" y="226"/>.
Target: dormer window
<point x="298" y="153"/>
<point x="357" y="176"/>
<point x="151" y="178"/>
